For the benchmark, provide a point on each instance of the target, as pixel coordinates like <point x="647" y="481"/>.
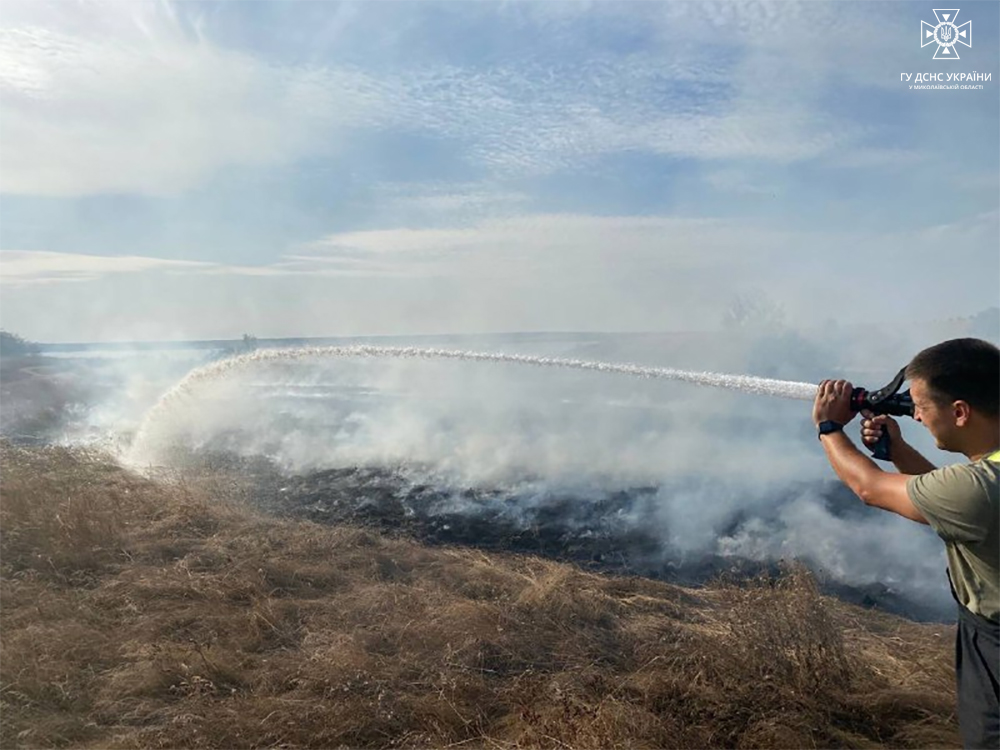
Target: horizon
<point x="754" y="328"/>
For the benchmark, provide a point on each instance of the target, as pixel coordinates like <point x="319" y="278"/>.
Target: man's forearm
<point x="853" y="467"/>
<point x="908" y="460"/>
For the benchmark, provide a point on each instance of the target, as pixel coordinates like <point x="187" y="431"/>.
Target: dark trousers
<point x="977" y="663"/>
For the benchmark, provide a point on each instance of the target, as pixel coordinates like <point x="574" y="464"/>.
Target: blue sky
<point x="200" y="169"/>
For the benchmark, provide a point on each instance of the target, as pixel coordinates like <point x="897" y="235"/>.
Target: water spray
<point x="187" y="387"/>
<point x="886" y="400"/>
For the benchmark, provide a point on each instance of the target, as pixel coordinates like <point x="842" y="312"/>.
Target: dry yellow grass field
<point x="171" y="614"/>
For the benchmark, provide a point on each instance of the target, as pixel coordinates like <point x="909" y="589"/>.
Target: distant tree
<point x="12" y="345"/>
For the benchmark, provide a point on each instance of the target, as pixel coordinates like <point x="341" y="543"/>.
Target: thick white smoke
<point x="724" y="461"/>
<point x="718" y="472"/>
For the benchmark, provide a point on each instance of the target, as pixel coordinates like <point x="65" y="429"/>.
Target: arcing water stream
<point x="188" y="386"/>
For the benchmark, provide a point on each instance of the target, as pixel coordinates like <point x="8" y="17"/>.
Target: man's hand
<point x="833" y="401"/>
<point x="872" y="427"/>
<point x="905" y="457"/>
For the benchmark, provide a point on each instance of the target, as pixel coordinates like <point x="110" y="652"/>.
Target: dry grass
<point x="169" y="614"/>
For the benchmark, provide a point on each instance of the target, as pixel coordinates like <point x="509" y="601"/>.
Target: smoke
<point x="108" y="393"/>
<point x="721" y="472"/>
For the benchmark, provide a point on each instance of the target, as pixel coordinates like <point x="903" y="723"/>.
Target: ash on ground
<point x="597" y="531"/>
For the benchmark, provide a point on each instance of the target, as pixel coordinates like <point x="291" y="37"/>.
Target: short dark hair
<point x="961" y="370"/>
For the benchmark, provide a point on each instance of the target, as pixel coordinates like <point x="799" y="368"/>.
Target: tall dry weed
<point x="170" y="614"/>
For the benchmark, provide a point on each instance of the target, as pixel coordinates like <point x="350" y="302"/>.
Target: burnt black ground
<point x="598" y="532"/>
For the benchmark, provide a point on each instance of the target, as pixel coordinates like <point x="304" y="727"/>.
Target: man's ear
<point x="962" y="412"/>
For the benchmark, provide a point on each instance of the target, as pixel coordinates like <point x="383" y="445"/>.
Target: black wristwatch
<point x="829" y="426"/>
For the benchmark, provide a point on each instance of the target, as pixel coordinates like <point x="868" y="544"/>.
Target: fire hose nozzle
<point x="887" y="400"/>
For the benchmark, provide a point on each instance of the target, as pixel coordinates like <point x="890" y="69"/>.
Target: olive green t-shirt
<point x="961" y="504"/>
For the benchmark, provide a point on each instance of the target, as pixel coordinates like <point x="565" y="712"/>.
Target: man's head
<point x="956" y="392"/>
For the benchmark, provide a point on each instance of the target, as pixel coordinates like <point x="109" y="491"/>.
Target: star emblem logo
<point x="946" y="34"/>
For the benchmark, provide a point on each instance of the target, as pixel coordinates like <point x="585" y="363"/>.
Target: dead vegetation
<point x="169" y="614"/>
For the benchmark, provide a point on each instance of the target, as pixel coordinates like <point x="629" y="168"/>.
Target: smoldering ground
<point x="657" y="478"/>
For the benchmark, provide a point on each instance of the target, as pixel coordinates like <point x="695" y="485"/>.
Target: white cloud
<point x="886" y="158"/>
<point x="728" y="80"/>
<point x="124" y="97"/>
<point x="31" y="267"/>
<point x="22" y="267"/>
<point x="740" y="182"/>
<point x="458" y="201"/>
<point x="614" y="251"/>
<point x="135" y="98"/>
<point x="535" y="119"/>
<point x="555" y="243"/>
<point x="530" y="272"/>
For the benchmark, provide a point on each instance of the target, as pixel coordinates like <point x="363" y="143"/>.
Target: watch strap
<point x="828" y="426"/>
